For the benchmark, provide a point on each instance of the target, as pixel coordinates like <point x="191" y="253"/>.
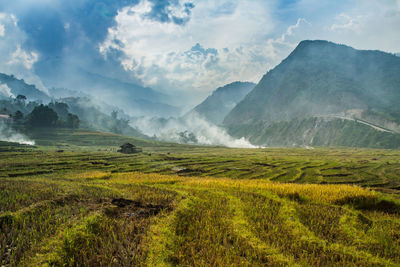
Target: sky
<point x="184" y="48"/>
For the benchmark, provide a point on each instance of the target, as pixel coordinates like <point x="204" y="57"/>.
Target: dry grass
<point x="97" y="209"/>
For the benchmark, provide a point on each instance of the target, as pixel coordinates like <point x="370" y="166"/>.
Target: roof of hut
<point x="127" y="145"/>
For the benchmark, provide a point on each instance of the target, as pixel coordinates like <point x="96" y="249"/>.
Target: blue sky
<point x="187" y="47"/>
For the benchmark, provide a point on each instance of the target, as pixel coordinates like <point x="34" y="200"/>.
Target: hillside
<point x="127" y="95"/>
<point x="319" y="131"/>
<point x="19" y="87"/>
<point x="215" y="107"/>
<point x="318" y="79"/>
<point x="92" y="117"/>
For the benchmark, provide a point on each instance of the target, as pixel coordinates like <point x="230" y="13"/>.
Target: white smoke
<point x="9" y="135"/>
<point x="5" y="91"/>
<point x="206" y="133"/>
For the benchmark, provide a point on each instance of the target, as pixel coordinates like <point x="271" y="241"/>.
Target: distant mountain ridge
<point x="124" y="92"/>
<point x="19" y="87"/>
<point x="321" y="78"/>
<point x="133" y="98"/>
<point x="216" y="106"/>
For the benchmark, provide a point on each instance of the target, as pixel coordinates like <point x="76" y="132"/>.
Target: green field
<point x="73" y="201"/>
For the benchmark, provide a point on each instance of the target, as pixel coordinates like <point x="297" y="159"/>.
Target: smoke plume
<point x="9" y="135"/>
<point x="189" y="129"/>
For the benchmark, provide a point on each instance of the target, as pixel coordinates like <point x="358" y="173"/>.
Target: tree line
<point x="35" y="115"/>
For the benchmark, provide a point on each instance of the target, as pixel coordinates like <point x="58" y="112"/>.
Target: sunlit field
<point x="198" y="206"/>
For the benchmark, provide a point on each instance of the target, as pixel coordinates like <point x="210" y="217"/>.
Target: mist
<point x="10" y="135"/>
<point x="5" y="91"/>
<point x="191" y="129"/>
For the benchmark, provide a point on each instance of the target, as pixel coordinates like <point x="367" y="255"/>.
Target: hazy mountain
<point x="322" y="79"/>
<point x="19" y="87"/>
<point x="222" y="101"/>
<point x="127" y="95"/>
<point x="64" y="92"/>
<point x="93" y="118"/>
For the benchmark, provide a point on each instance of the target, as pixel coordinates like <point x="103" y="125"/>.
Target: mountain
<point x="222" y="101"/>
<point x="127" y="95"/>
<point x="93" y="118"/>
<point x="321" y="79"/>
<point x="19" y="87"/>
<point x="133" y="98"/>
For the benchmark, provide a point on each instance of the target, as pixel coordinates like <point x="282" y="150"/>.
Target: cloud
<point x="15" y="59"/>
<point x="22" y="57"/>
<point x="362" y="24"/>
<point x="2" y="30"/>
<point x="166" y="11"/>
<point x="5" y="91"/>
<point x="368" y="25"/>
<point x="65" y="36"/>
<point x="345" y="22"/>
<point x="213" y="47"/>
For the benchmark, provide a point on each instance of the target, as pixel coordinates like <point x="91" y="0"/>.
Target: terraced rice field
<point x="200" y="206"/>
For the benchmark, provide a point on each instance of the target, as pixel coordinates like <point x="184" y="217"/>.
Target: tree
<point x="42" y="116"/>
<point x="18" y="116"/>
<point x="60" y="108"/>
<point x="4" y="111"/>
<point x="72" y="121"/>
<point x="21" y="99"/>
<point x="114" y="114"/>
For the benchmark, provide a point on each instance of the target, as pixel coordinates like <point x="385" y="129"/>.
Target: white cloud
<point x="371" y="25"/>
<point x="345" y="22"/>
<point x="14" y="58"/>
<point x="2" y="30"/>
<point x="24" y="58"/>
<point x="5" y="91"/>
<point x="160" y="53"/>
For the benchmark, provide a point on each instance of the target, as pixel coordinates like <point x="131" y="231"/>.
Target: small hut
<point x="128" y="148"/>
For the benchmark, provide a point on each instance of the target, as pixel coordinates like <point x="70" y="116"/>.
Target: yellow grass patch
<point x="320" y="193"/>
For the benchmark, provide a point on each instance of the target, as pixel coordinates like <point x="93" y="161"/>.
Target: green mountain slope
<point x="222" y="101"/>
<point x="319" y="131"/>
<point x="317" y="79"/>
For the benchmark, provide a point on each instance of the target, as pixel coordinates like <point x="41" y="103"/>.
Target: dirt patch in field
<point x="337" y="175"/>
<point x="264" y="164"/>
<point x="29" y="173"/>
<point x="190" y="172"/>
<point x="122" y="207"/>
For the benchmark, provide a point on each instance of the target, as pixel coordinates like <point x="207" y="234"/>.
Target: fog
<point x="190" y="129"/>
<point x="10" y="135"/>
<point x="5" y="91"/>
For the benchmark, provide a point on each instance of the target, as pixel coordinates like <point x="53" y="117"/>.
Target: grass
<point x="198" y="206"/>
